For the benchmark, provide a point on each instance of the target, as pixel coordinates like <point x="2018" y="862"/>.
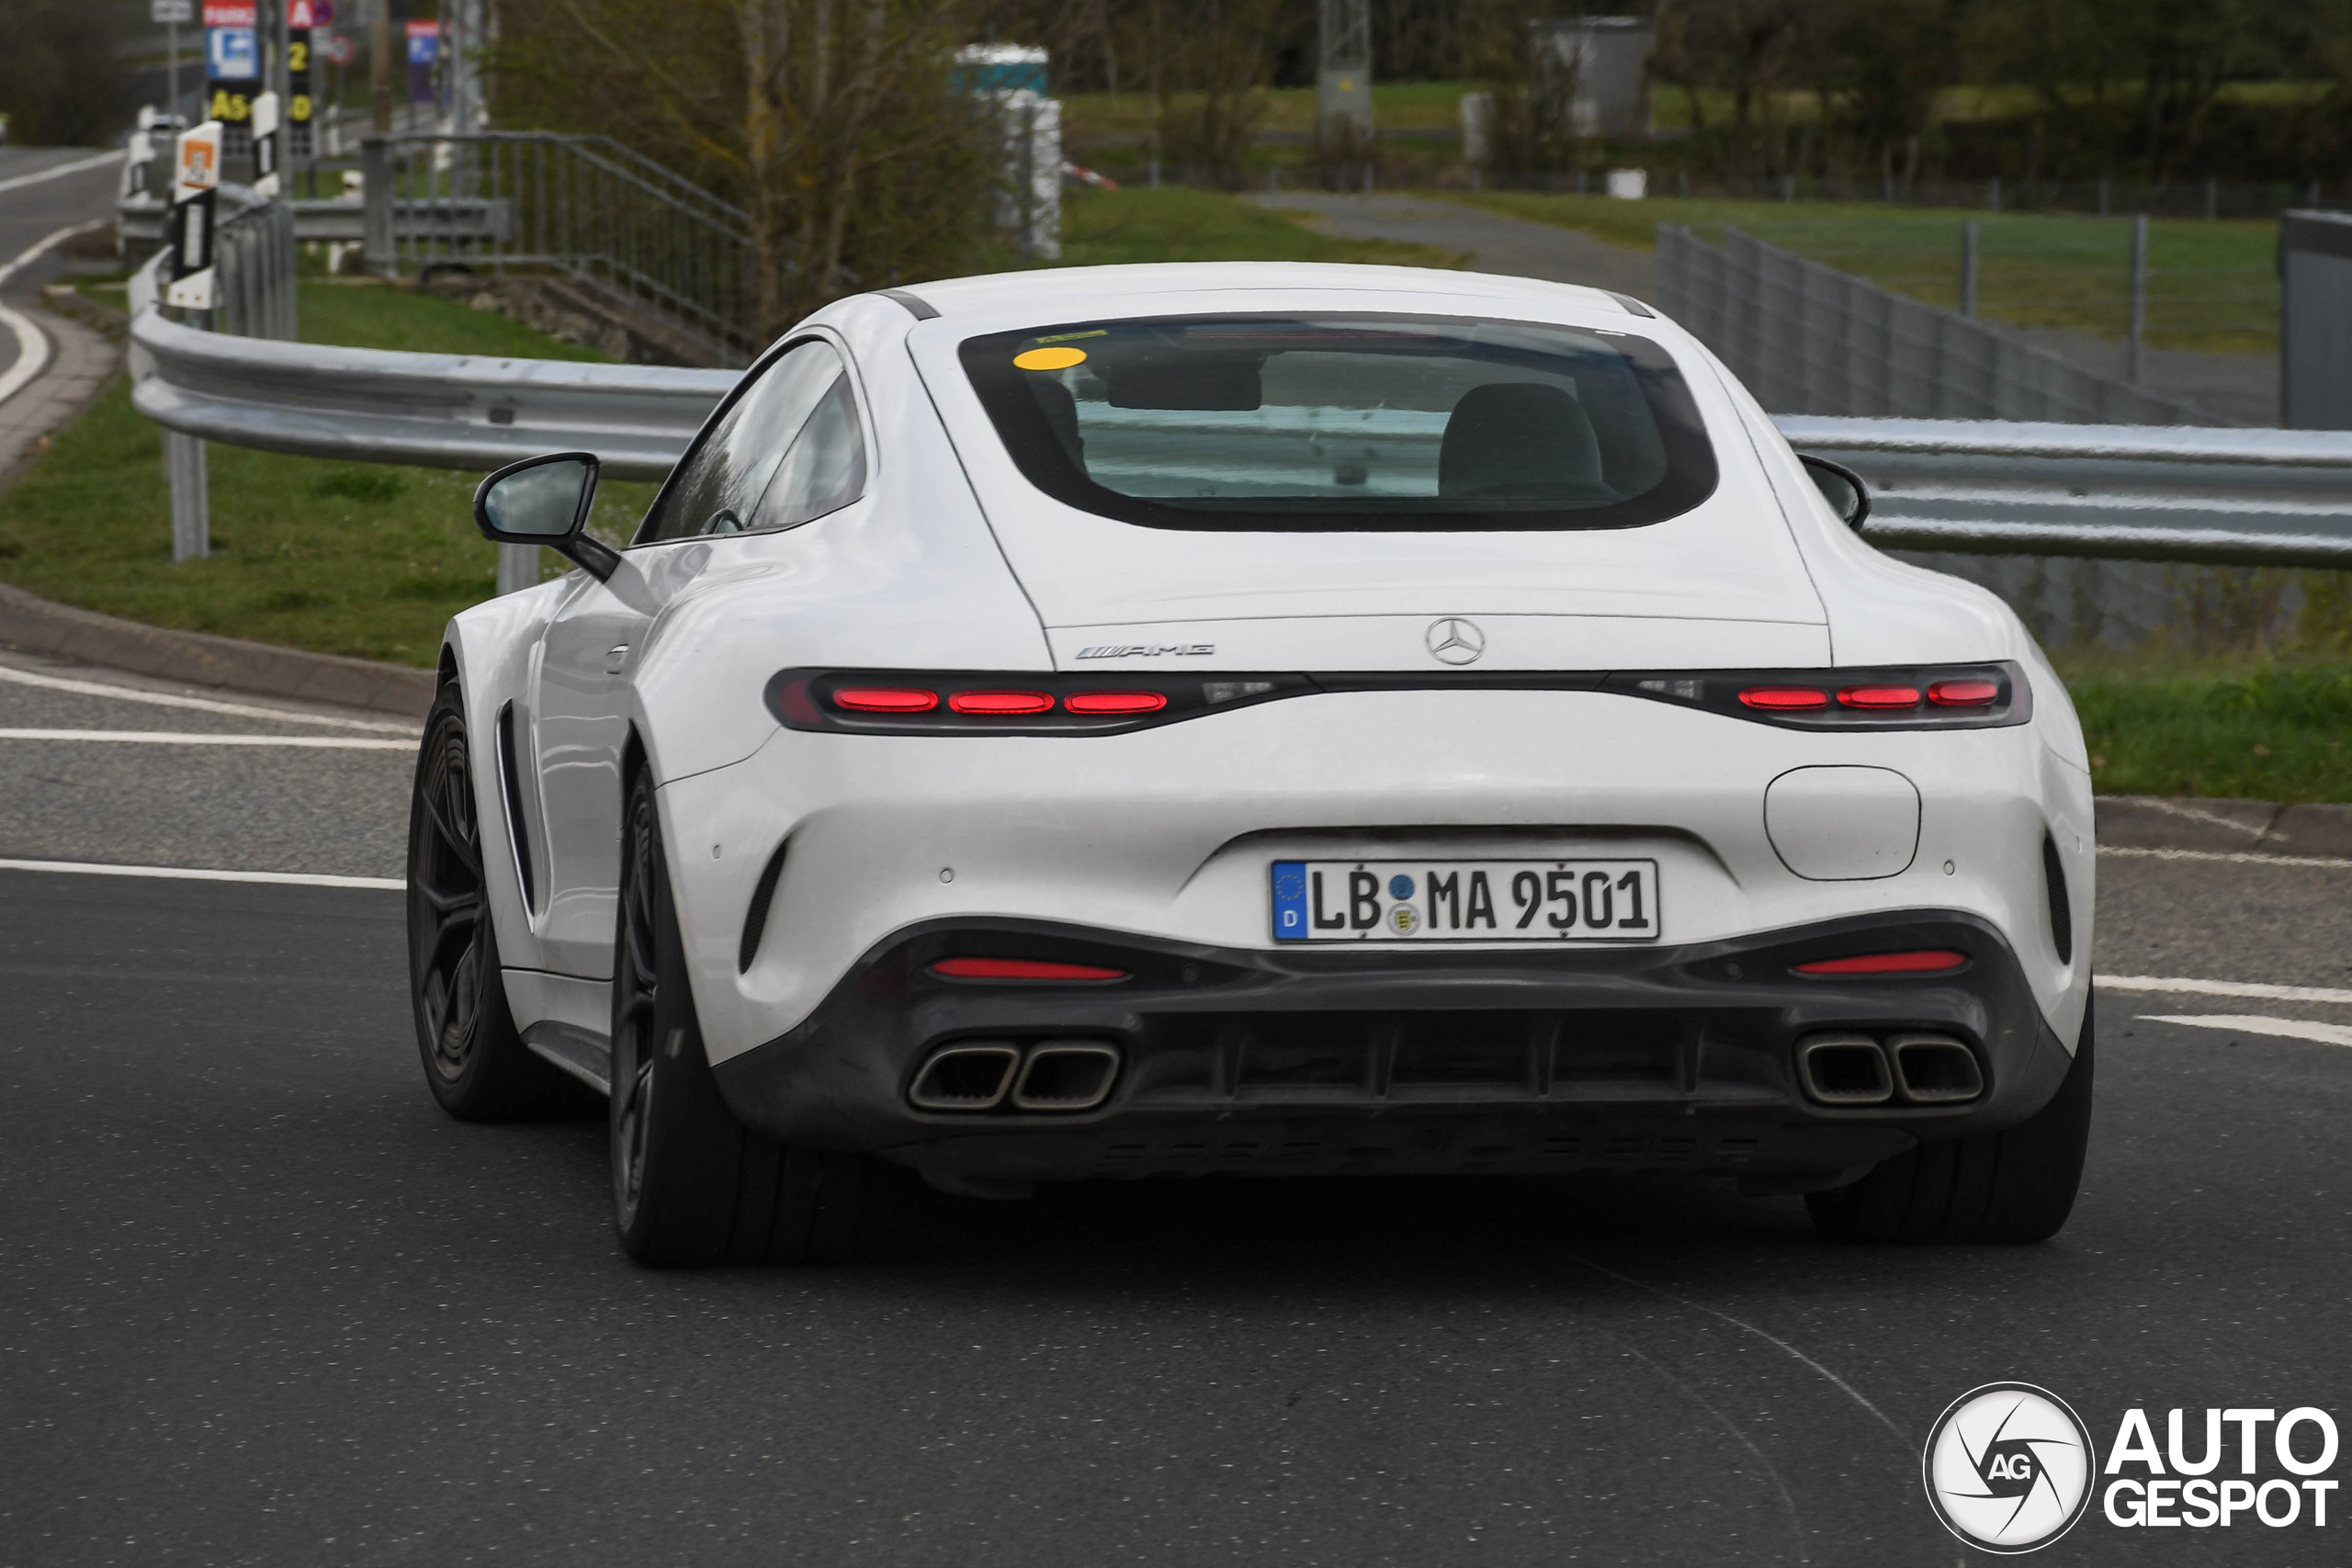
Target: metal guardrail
<point x="2133" y="492"/>
<point x="140" y="220"/>
<point x="2226" y="497"/>
<point x="433" y="410"/>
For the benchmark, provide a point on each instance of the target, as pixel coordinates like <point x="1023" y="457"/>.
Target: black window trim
<point x="1037" y="454"/>
<point x="752" y="373"/>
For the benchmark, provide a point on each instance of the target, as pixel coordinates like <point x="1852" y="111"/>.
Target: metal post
<point x="1993" y="196"/>
<point x="191" y="508"/>
<point x="2213" y="199"/>
<point x="2139" y="327"/>
<point x="2102" y="195"/>
<point x="376" y="175"/>
<point x="519" y="568"/>
<point x="379" y="65"/>
<point x="1968" y="268"/>
<point x="172" y="71"/>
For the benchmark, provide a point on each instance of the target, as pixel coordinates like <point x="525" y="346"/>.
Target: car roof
<point x="1053" y="291"/>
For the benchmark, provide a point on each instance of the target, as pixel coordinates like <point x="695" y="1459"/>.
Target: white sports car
<point x="1252" y="719"/>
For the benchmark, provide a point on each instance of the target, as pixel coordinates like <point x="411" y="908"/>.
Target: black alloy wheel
<point x="476" y="1064"/>
<point x="691" y="1187"/>
<point x="2013" y="1186"/>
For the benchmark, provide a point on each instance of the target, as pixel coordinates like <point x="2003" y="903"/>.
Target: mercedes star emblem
<point x="1455" y="641"/>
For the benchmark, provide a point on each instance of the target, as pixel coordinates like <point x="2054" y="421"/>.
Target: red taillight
<point x="1880" y="696"/>
<point x="1927" y="961"/>
<point x="1114" y="702"/>
<point x="1784" y="699"/>
<point x="1021" y="969"/>
<point x="886" y="699"/>
<point x="1962" y="694"/>
<point x="1000" y="702"/>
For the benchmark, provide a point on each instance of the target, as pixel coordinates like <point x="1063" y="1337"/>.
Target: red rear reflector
<point x="1114" y="702"/>
<point x="886" y="699"/>
<point x="1020" y="969"/>
<point x="1880" y="696"/>
<point x="1783" y="698"/>
<point x="1962" y="694"/>
<point x="1000" y="702"/>
<point x="1928" y="961"/>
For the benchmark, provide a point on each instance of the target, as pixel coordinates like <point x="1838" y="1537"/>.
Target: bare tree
<point x="835" y="123"/>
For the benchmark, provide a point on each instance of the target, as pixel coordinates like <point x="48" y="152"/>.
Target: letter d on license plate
<point x="1470" y="900"/>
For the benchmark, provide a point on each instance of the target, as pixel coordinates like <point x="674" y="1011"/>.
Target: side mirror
<point x="1843" y="488"/>
<point x="544" y="501"/>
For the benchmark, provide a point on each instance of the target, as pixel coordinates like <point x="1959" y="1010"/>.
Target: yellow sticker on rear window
<point x="1050" y="358"/>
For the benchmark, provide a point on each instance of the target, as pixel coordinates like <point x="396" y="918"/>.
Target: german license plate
<point x="1470" y="900"/>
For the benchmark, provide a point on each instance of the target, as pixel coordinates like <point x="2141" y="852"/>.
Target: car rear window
<point x="1346" y="423"/>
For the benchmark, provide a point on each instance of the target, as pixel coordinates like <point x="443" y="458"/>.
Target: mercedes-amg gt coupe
<point x="1240" y="719"/>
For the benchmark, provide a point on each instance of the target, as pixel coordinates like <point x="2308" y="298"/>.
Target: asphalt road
<point x="45" y="201"/>
<point x="264" y="1304"/>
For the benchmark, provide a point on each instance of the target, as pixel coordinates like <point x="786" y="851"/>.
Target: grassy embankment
<point x="371" y="561"/>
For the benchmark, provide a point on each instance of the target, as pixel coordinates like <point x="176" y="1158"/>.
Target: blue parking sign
<point x="231" y="54"/>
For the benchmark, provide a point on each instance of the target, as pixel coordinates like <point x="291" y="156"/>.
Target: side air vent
<point x="2061" y="909"/>
<point x="755" y="918"/>
<point x="510" y="786"/>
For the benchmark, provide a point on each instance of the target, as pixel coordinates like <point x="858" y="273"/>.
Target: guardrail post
<point x="376" y="165"/>
<point x="191" y="499"/>
<point x="519" y="568"/>
<point x="2138" y="332"/>
<point x="1968" y="268"/>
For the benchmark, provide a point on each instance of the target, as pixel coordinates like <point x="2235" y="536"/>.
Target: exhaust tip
<point x="1935" y="1069"/>
<point x="966" y="1078"/>
<point x="1067" y="1075"/>
<point x="1844" y="1069"/>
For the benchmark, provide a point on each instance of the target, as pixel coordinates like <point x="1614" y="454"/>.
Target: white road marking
<point x="193" y="738"/>
<point x="192" y="873"/>
<point x="2225" y="988"/>
<point x="2233" y="857"/>
<point x="58" y="170"/>
<point x="2247" y="1023"/>
<point x="33" y="344"/>
<point x="205" y="704"/>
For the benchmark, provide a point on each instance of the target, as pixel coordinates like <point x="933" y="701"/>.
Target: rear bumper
<point x="1247" y="1060"/>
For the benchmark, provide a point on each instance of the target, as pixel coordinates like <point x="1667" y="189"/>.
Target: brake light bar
<point x="1021" y="969"/>
<point x="997" y="702"/>
<point x="1924" y="961"/>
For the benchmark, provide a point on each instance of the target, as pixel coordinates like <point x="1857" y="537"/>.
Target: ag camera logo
<point x="2009" y="1467"/>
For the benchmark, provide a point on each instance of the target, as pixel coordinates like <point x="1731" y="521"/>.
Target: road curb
<point x="33" y="624"/>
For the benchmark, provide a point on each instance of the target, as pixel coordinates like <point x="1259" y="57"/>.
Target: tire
<point x="2011" y="1187"/>
<point x="475" y="1063"/>
<point x="691" y="1187"/>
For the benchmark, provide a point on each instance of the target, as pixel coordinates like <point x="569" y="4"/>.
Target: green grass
<point x="366" y="560"/>
<point x="2213" y="286"/>
<point x="1181" y="223"/>
<point x="2266" y="733"/>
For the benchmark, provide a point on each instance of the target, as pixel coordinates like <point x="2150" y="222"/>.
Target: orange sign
<point x="200" y="158"/>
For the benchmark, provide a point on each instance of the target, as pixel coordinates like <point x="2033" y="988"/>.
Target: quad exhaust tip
<point x="1935" y="1069"/>
<point x="973" y="1077"/>
<point x="1052" y="1076"/>
<point x="1845" y="1069"/>
<point x="1919" y="1069"/>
